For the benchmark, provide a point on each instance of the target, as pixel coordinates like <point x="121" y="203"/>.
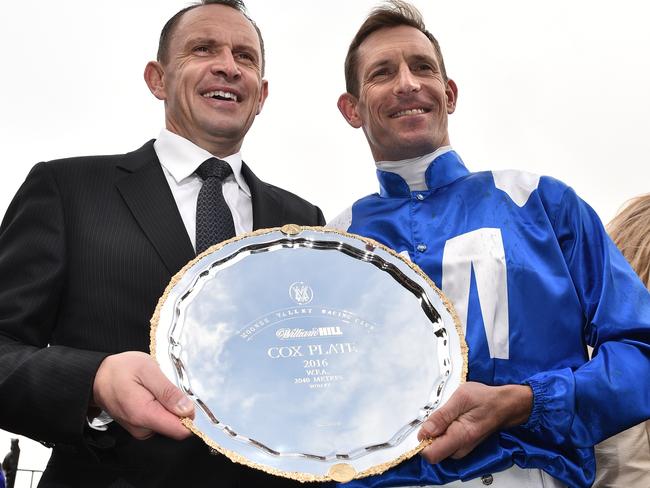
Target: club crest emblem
<point x="301" y="293"/>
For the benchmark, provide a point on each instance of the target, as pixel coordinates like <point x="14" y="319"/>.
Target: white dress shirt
<point x="179" y="159"/>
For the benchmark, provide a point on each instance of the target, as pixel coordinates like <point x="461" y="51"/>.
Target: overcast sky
<point x="553" y="87"/>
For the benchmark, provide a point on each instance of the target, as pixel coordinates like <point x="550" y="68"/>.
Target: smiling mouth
<point x="410" y="111"/>
<point x="221" y="95"/>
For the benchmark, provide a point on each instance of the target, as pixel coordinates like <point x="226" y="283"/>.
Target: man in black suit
<point x="88" y="245"/>
<point x="10" y="465"/>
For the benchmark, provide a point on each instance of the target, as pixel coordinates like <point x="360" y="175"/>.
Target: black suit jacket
<point x="87" y="247"/>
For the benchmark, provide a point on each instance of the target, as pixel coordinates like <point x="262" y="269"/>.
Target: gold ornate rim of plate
<point x="343" y="472"/>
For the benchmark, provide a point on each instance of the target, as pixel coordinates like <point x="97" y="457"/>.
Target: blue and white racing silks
<point x="534" y="279"/>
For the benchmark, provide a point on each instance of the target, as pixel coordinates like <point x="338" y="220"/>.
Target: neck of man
<point x="413" y="170"/>
<point x="219" y="147"/>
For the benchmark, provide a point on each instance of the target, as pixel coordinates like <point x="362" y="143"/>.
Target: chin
<point x="413" y="148"/>
<point x="225" y="130"/>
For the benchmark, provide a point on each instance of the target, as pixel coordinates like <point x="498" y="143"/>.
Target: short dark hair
<point x="168" y="29"/>
<point x="392" y="14"/>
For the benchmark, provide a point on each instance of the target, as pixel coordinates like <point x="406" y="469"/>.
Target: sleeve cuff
<point x="553" y="403"/>
<point x="540" y="393"/>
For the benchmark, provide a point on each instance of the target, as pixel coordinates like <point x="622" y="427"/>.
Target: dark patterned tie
<point x="213" y="218"/>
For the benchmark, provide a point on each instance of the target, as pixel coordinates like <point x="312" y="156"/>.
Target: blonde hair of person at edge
<point x="623" y="461"/>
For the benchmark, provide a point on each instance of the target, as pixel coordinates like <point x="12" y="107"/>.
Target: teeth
<point x="222" y="94"/>
<point x="413" y="111"/>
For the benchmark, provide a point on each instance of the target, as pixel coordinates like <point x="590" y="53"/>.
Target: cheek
<point x="376" y="120"/>
<point x="369" y="107"/>
<point x="376" y="103"/>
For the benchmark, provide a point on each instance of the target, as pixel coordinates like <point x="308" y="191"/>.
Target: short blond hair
<point x="630" y="231"/>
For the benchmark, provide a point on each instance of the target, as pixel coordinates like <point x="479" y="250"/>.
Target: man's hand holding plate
<point x="472" y="413"/>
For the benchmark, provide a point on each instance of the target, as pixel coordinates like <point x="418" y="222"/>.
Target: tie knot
<point x="214" y="168"/>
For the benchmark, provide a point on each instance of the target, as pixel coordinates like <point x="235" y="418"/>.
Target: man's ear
<point x="452" y="95"/>
<point x="155" y="80"/>
<point x="347" y="105"/>
<point x="264" y="92"/>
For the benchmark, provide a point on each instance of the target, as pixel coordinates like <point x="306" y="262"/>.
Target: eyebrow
<point x="424" y="57"/>
<point x="209" y="41"/>
<point x="192" y="41"/>
<point x="412" y="58"/>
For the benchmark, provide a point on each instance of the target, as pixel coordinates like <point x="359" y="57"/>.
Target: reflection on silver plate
<point x="309" y="353"/>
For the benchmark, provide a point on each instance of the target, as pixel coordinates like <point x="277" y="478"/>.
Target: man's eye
<point x="244" y="56"/>
<point x="424" y="67"/>
<point x="380" y="73"/>
<point x="201" y="50"/>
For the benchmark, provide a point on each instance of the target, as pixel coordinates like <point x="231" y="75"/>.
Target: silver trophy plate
<point x="309" y="353"/>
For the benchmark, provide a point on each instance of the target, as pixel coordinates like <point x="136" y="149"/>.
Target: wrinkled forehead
<point x="393" y="44"/>
<point x="215" y="22"/>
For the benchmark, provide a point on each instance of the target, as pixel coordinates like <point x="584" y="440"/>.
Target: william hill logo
<point x="315" y="332"/>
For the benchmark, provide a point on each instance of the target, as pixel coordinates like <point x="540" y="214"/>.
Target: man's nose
<point x="406" y="81"/>
<point x="224" y="64"/>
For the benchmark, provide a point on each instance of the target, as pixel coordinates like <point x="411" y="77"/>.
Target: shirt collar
<point x="180" y="157"/>
<point x="428" y="172"/>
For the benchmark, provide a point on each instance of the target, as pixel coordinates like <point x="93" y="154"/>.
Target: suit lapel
<point x="143" y="186"/>
<point x="268" y="210"/>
